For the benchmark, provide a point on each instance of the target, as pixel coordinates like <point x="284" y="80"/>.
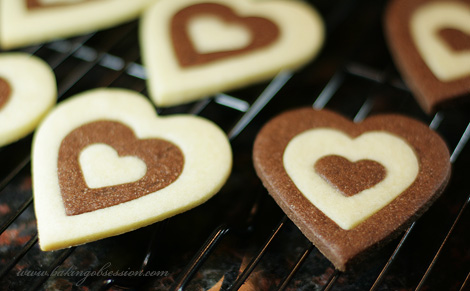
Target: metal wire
<point x="201" y="255"/>
<point x="252" y="265"/>
<point x="439" y="251"/>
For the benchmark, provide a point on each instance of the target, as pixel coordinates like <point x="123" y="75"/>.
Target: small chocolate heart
<point x="163" y="159"/>
<point x="348" y="177"/>
<point x="457" y="39"/>
<point x="5" y="91"/>
<point x="263" y="32"/>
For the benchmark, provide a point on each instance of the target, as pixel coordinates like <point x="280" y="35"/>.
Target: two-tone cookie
<point x="26" y="22"/>
<point x="430" y="42"/>
<point x="192" y="49"/>
<point x="350" y="187"/>
<point x="28" y="91"/>
<point x="104" y="163"/>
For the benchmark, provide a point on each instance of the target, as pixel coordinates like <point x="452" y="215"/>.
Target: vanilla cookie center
<point x="391" y="152"/>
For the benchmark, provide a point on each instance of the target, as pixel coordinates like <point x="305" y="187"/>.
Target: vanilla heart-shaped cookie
<point x="28" y="91"/>
<point x="105" y="154"/>
<point x="194" y="48"/>
<point x="430" y="42"/>
<point x="350" y="186"/>
<point x="26" y="22"/>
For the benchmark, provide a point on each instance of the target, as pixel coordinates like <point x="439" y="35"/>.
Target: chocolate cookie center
<point x="263" y="32"/>
<point x="349" y="177"/>
<point x="5" y="92"/>
<point x="163" y="159"/>
<point x="456" y="39"/>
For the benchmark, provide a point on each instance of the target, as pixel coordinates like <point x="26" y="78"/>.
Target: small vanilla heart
<point x="211" y="34"/>
<point x="102" y="167"/>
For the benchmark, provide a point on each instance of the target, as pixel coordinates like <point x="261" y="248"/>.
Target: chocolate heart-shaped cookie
<point x="27" y="92"/>
<point x="394" y="167"/>
<point x="25" y="22"/>
<point x="194" y="48"/>
<point x="430" y="42"/>
<point x="105" y="154"/>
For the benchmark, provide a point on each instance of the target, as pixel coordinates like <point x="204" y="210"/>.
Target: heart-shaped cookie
<point x="430" y="42"/>
<point x="25" y="22"/>
<point x="299" y="154"/>
<point x="28" y="91"/>
<point x="176" y="163"/>
<point x="187" y="56"/>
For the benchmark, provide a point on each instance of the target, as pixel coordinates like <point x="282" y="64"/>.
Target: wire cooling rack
<point x="240" y="239"/>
